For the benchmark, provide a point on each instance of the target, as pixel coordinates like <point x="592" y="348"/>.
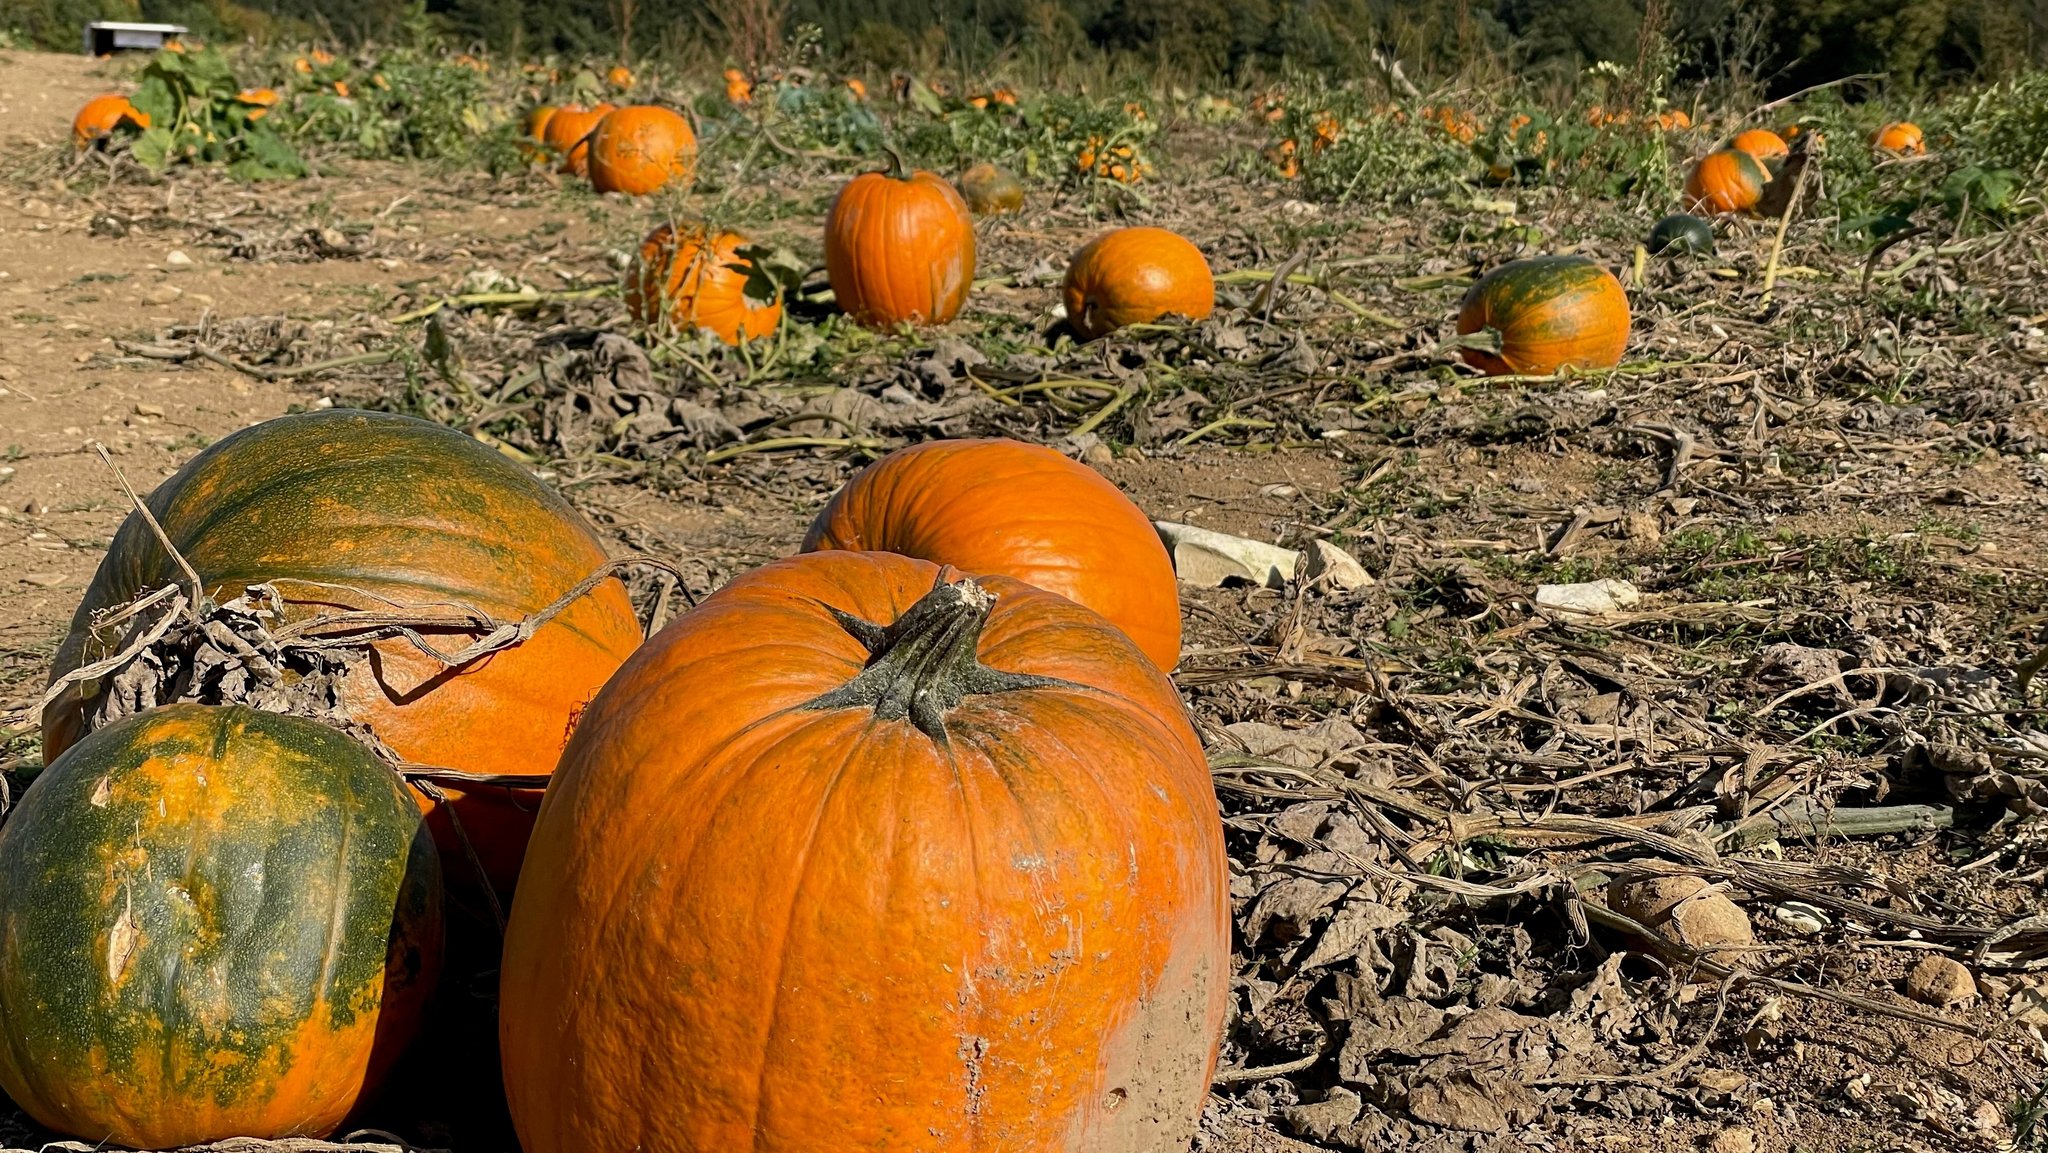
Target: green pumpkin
<point x="214" y="922"/>
<point x="1681" y="234"/>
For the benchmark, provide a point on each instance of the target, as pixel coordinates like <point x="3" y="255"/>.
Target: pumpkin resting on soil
<point x="341" y="511"/>
<point x="1551" y="312"/>
<point x="850" y="857"/>
<point x="640" y="149"/>
<point x="567" y="135"/>
<point x="533" y="146"/>
<point x="1730" y="180"/>
<point x="1018" y="510"/>
<point x="1136" y="276"/>
<point x="214" y="922"/>
<point x="899" y="249"/>
<point x="1767" y="146"/>
<point x="695" y="280"/>
<point x="991" y="191"/>
<point x="102" y="115"/>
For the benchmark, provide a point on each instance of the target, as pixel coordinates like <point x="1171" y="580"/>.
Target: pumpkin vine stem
<point x="924" y="665"/>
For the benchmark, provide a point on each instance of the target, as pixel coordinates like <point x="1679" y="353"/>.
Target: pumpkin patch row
<point x="791" y="851"/>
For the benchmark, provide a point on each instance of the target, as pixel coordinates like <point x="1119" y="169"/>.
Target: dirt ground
<point x="1834" y="511"/>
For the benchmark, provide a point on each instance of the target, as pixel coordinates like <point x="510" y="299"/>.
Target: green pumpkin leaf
<point x="153" y="148"/>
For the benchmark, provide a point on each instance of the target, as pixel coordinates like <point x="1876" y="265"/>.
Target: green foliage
<point x="195" y="115"/>
<point x="2002" y="126"/>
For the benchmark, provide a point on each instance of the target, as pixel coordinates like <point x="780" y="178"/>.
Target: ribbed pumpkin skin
<point x="1136" y="276"/>
<point x="1901" y="137"/>
<point x="693" y="279"/>
<point x="1551" y="311"/>
<point x="1730" y="180"/>
<point x="1019" y="510"/>
<point x="421" y="515"/>
<point x="899" y="250"/>
<point x="756" y="925"/>
<point x="567" y="135"/>
<point x="640" y="149"/>
<point x="214" y="922"/>
<point x="101" y="115"/>
<point x="1767" y="146"/>
<point x="991" y="191"/>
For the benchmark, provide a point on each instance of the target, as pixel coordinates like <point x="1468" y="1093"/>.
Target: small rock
<point x="9" y="372"/>
<point x="1800" y="917"/>
<point x="177" y="259"/>
<point x="1940" y="981"/>
<point x="1320" y="1120"/>
<point x="1098" y="455"/>
<point x="108" y="225"/>
<point x="1641" y="526"/>
<point x="162" y="294"/>
<point x="1326" y="562"/>
<point x="36" y="210"/>
<point x="1592" y="598"/>
<point x="1688" y="910"/>
<point x="149" y="410"/>
<point x="1726" y="1082"/>
<point x="333" y="238"/>
<point x="1213" y="559"/>
<point x="47" y="580"/>
<point x="1733" y="1140"/>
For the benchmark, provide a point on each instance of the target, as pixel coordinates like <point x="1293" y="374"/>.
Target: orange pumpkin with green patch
<point x="214" y="922"/>
<point x="1549" y="312"/>
<point x="345" y="512"/>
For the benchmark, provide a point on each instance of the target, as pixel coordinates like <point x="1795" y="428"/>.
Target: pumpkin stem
<point x="896" y="169"/>
<point x="921" y="667"/>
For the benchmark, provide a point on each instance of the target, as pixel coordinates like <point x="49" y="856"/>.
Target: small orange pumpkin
<point x="1730" y="180"/>
<point x="102" y="115"/>
<point x="567" y="135"/>
<point x="534" y="145"/>
<point x="1551" y="312"/>
<point x="1767" y="146"/>
<point x="259" y="100"/>
<point x="620" y="77"/>
<point x="640" y="149"/>
<point x="1006" y="508"/>
<point x="1901" y="137"/>
<point x="1136" y="276"/>
<point x="738" y="89"/>
<point x="696" y="280"/>
<point x="899" y="249"/>
<point x="991" y="191"/>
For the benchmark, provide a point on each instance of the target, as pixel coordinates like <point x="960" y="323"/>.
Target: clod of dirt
<point x="1320" y="1120"/>
<point x="1733" y="1140"/>
<point x="1940" y="981"/>
<point x="1688" y="910"/>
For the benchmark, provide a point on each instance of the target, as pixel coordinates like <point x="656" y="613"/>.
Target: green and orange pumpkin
<point x="342" y="511"/>
<point x="1012" y="509"/>
<point x="990" y="190"/>
<point x="1549" y="312"/>
<point x="1730" y="180"/>
<point x="860" y="855"/>
<point x="214" y="922"/>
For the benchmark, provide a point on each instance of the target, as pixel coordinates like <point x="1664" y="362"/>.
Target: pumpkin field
<point x="577" y="604"/>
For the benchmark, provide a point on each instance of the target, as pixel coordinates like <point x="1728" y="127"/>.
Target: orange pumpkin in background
<point x="620" y="77"/>
<point x="102" y="115"/>
<point x="1730" y="180"/>
<point x="533" y="145"/>
<point x="567" y="135"/>
<point x="1136" y="276"/>
<point x="814" y="872"/>
<point x="1902" y="138"/>
<point x="1769" y="149"/>
<point x="990" y="190"/>
<point x="1551" y="312"/>
<point x="899" y="249"/>
<point x="640" y="149"/>
<point x="1019" y="510"/>
<point x="695" y="280"/>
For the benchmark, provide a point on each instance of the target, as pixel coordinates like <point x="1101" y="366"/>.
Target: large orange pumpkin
<point x="1902" y="137"/>
<point x="1551" y="312"/>
<point x="1017" y="510"/>
<point x="567" y="135"/>
<point x="341" y="511"/>
<point x="696" y="280"/>
<point x="533" y="145"/>
<point x="1730" y="180"/>
<point x="852" y="858"/>
<point x="102" y="115"/>
<point x="214" y="923"/>
<point x="1767" y="146"/>
<point x="1136" y="276"/>
<point x="640" y="149"/>
<point x="899" y="249"/>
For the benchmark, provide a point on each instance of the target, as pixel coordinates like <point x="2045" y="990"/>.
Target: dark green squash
<point x="1681" y="234"/>
<point x="214" y="922"/>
